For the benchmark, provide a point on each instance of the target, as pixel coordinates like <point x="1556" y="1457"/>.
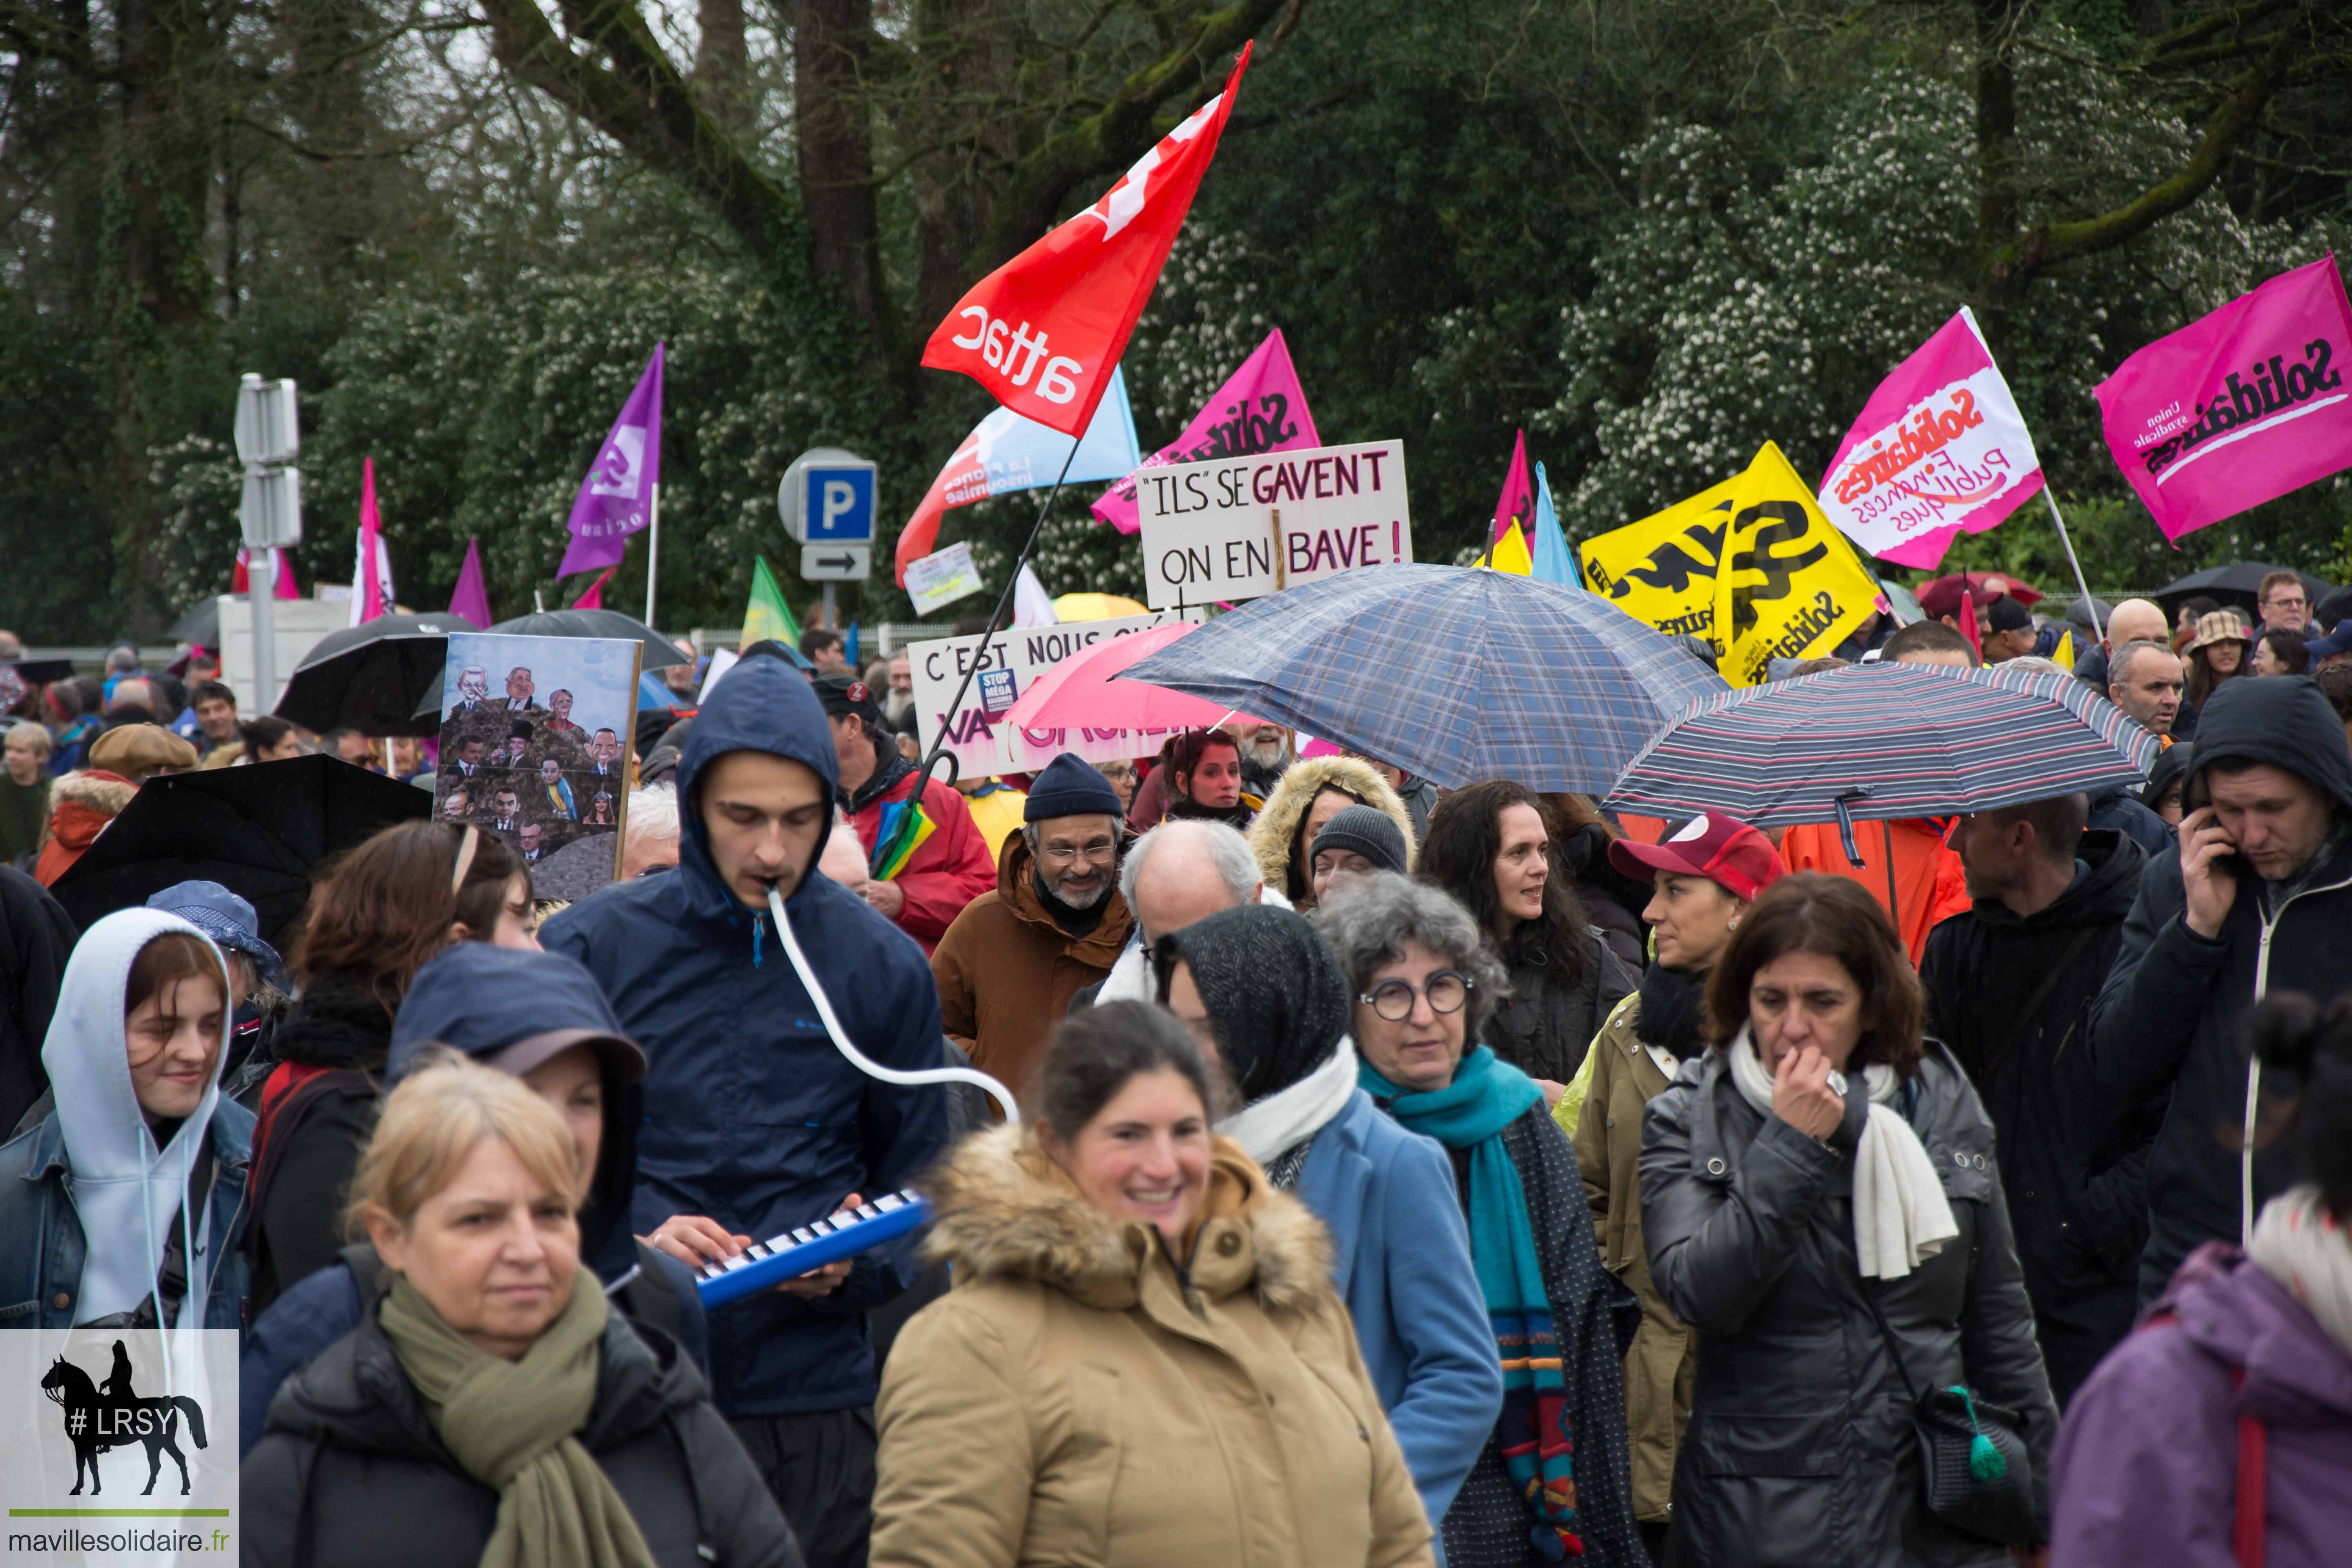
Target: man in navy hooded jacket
<point x="2257" y="898"/>
<point x="753" y="1117"/>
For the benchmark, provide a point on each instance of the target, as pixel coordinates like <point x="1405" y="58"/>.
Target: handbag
<point x="1974" y="1472"/>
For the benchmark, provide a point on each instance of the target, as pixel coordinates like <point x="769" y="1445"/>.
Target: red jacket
<point x="954" y="865"/>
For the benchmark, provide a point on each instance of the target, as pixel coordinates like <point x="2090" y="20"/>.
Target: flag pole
<point x="652" y="552"/>
<point x="996" y="623"/>
<point x="2080" y="581"/>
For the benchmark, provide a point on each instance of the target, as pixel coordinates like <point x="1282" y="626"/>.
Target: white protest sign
<point x="942" y="578"/>
<point x="1007" y="665"/>
<point x="1240" y="527"/>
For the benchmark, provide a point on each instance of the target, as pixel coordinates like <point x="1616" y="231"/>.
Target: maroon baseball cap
<point x="1723" y="850"/>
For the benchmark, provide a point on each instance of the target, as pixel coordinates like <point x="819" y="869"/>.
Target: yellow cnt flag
<point x="2063" y="655"/>
<point x="1661" y="570"/>
<point x="1790" y="586"/>
<point x="1510" y="554"/>
<point x="1752" y="565"/>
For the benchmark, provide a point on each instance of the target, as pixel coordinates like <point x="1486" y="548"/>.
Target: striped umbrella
<point x="1454" y="673"/>
<point x="1883" y="741"/>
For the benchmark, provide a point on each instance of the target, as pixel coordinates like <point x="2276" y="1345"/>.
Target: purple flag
<point x="616" y="498"/>
<point x="472" y="599"/>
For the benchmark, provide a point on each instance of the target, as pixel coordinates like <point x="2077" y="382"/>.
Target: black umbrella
<point x="259" y="830"/>
<point x="2236" y="585"/>
<point x="42" y="671"/>
<point x="660" y="652"/>
<point x="382" y="677"/>
<point x="200" y="626"/>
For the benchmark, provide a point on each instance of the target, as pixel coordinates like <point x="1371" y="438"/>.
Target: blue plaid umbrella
<point x="1452" y="673"/>
<point x="1881" y="741"/>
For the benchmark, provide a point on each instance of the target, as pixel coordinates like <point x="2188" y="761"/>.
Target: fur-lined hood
<point x="1271" y="835"/>
<point x="105" y="793"/>
<point x="1005" y="1211"/>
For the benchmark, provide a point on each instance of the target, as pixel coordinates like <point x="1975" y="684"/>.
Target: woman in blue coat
<point x="1262" y="995"/>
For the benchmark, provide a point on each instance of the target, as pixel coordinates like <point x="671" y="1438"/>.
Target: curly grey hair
<point x="1382" y="912"/>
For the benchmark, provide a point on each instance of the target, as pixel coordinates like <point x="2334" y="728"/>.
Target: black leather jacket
<point x="1799" y="1449"/>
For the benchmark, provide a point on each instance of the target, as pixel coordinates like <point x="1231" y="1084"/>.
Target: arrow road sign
<point x="836" y="562"/>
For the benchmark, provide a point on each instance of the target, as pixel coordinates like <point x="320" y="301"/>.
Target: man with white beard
<point x="1265" y="755"/>
<point x="1054" y="924"/>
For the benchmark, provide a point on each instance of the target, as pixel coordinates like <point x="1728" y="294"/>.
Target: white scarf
<point x="1900" y="1214"/>
<point x="1288" y="1117"/>
<point x="2299" y="1244"/>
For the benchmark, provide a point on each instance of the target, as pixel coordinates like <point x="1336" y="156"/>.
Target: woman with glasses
<point x="1491" y="845"/>
<point x="1123" y="779"/>
<point x="1553" y="1477"/>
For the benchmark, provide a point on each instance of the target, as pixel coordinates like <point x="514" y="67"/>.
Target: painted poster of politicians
<point x="535" y="738"/>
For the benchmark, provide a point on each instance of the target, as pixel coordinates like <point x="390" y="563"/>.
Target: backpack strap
<point x="2248" y="1538"/>
<point x="287" y="1096"/>
<point x="648" y="1300"/>
<point x="2250" y="1526"/>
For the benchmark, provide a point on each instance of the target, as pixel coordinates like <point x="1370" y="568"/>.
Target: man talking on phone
<point x="2256" y="897"/>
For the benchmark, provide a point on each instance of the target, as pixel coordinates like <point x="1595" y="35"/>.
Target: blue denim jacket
<point x="41" y="1243"/>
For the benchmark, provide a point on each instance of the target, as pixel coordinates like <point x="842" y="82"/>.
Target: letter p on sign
<point x="828" y="497"/>
<point x="840" y="501"/>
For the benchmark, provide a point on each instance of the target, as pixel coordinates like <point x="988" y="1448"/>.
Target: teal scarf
<point x="1538" y="1443"/>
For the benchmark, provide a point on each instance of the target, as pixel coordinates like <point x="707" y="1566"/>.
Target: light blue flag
<point x="1553" y="560"/>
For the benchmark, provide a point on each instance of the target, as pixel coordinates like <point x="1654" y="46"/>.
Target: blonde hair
<point x="432" y="1121"/>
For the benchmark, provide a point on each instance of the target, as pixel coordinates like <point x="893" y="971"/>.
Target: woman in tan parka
<point x="1143" y="1361"/>
<point x="1312" y="791"/>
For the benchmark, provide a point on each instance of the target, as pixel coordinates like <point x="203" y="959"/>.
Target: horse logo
<point x="114" y="1416"/>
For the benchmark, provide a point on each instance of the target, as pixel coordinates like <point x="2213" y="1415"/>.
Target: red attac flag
<point x="1044" y="332"/>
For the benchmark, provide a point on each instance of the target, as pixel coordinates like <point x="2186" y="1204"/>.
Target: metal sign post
<point x="268" y="437"/>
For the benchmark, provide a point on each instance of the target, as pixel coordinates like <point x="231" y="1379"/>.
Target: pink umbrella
<point x="1086" y="693"/>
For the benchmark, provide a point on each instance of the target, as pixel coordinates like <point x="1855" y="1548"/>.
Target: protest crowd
<point x="1862" y="1079"/>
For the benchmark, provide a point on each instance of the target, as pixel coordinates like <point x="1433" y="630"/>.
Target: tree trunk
<point x="722" y="62"/>
<point x="1999" y="285"/>
<point x="832" y="117"/>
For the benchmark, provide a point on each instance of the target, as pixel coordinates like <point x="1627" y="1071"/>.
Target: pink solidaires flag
<point x="472" y="599"/>
<point x="1940" y="449"/>
<point x="281" y="575"/>
<point x="594" y="599"/>
<point x="616" y="498"/>
<point x="2238" y="409"/>
<point x="372" y="571"/>
<point x="1260" y="408"/>
<point x="1044" y="332"/>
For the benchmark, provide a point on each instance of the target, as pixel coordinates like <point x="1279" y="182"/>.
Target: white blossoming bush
<point x="1732" y="310"/>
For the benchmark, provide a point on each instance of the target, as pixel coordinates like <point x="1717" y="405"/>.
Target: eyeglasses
<point x="1116" y="771"/>
<point x="1393" y="999"/>
<point x="1064" y="854"/>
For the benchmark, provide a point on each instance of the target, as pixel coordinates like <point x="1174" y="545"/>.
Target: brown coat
<point x="1077" y="1401"/>
<point x="1006" y="972"/>
<point x="1661" y="1363"/>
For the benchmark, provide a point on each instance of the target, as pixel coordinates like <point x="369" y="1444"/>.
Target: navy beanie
<point x="1370" y="832"/>
<point x="1069" y="787"/>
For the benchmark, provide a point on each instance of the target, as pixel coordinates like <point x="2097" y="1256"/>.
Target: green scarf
<point x="511" y="1425"/>
<point x="1534" y="1432"/>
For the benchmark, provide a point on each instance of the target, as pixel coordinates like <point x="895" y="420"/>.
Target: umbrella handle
<point x="1845" y="821"/>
